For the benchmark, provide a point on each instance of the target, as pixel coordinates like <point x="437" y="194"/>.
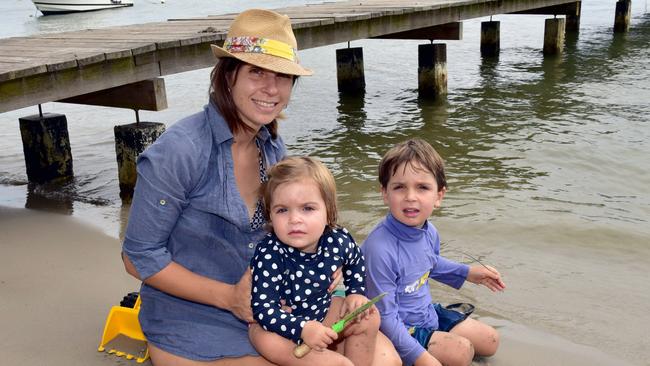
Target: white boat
<point x="48" y="7"/>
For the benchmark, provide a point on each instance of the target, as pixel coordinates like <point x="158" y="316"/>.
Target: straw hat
<point x="263" y="38"/>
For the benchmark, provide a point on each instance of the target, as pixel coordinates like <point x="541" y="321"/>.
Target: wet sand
<point x="59" y="277"/>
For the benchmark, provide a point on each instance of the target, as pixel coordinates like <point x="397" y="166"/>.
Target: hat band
<point x="260" y="45"/>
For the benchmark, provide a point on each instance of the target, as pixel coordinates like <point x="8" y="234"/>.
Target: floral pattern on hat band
<point x="260" y="45"/>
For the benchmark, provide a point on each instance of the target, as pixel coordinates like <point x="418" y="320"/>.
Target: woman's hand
<point x="337" y="277"/>
<point x="240" y="298"/>
<point x="317" y="336"/>
<point x="486" y="276"/>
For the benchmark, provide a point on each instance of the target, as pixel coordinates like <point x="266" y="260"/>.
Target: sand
<point x="59" y="277"/>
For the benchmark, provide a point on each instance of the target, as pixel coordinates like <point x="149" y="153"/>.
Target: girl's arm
<point x="267" y="268"/>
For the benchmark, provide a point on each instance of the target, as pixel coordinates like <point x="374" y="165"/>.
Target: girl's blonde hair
<point x="295" y="168"/>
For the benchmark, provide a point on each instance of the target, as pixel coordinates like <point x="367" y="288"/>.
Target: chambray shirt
<point x="187" y="209"/>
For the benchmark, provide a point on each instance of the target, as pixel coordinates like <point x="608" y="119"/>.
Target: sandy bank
<point x="59" y="278"/>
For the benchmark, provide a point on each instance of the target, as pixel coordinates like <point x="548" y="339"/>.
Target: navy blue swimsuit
<point x="302" y="279"/>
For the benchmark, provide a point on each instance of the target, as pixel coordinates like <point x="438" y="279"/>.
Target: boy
<point x="403" y="251"/>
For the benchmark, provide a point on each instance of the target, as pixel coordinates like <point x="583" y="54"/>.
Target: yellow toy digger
<point x="122" y="335"/>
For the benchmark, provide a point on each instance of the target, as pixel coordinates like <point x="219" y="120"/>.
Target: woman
<point x="196" y="214"/>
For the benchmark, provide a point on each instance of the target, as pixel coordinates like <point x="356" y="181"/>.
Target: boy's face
<point x="298" y="214"/>
<point x="412" y="194"/>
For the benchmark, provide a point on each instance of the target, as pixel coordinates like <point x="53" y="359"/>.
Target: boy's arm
<point x="381" y="276"/>
<point x="267" y="266"/>
<point x="449" y="272"/>
<point x="446" y="271"/>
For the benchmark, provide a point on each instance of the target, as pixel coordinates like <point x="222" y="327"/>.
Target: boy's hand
<point x="317" y="336"/>
<point x="352" y="302"/>
<point x="486" y="276"/>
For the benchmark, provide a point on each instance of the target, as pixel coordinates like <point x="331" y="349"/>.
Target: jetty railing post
<point x="622" y="17"/>
<point x="130" y="141"/>
<point x="490" y="38"/>
<point x="554" y="36"/>
<point x="46" y="145"/>
<point x="349" y="70"/>
<point x="432" y="70"/>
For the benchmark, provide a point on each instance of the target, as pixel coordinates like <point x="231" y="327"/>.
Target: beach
<point x="60" y="276"/>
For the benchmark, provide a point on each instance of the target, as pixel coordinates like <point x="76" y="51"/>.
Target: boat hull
<point x="49" y="7"/>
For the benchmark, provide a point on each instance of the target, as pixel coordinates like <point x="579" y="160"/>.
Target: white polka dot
<point x="333" y="268"/>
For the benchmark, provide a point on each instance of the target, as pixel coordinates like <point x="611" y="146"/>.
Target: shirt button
<point x="163" y="202"/>
<point x="251" y="245"/>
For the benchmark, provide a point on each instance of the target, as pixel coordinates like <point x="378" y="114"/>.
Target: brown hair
<point x="295" y="168"/>
<point x="410" y="152"/>
<point x="221" y="95"/>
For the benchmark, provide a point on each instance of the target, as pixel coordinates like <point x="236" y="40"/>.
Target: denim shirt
<point x="187" y="209"/>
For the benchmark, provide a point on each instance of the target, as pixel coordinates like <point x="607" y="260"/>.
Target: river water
<point x="547" y="158"/>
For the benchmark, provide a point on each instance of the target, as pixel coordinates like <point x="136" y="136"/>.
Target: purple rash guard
<point x="399" y="260"/>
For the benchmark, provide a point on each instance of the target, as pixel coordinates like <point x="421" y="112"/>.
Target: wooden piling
<point x="623" y="14"/>
<point x="573" y="19"/>
<point x="554" y="36"/>
<point x="46" y="145"/>
<point x="349" y="70"/>
<point x="432" y="70"/>
<point x="490" y="38"/>
<point x="131" y="140"/>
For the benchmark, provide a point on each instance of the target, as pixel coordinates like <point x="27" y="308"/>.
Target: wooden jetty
<point x="64" y="66"/>
<point x="123" y="66"/>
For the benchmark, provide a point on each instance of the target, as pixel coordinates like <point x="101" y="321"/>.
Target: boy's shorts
<point x="447" y="319"/>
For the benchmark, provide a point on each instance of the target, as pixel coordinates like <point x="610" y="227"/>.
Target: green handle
<point x="338" y="326"/>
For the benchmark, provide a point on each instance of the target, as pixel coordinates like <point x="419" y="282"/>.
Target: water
<point x="547" y="158"/>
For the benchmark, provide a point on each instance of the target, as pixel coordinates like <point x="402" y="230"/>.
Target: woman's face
<point x="260" y="94"/>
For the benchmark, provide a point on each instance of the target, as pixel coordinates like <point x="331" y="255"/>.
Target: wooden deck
<point x="51" y="67"/>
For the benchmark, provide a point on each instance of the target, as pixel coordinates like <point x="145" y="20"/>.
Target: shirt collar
<point x="405" y="232"/>
<point x="220" y="130"/>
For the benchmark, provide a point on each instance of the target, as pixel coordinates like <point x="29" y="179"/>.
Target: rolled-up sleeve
<point x="166" y="172"/>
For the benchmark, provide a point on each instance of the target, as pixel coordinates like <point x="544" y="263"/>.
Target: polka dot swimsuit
<point x="302" y="279"/>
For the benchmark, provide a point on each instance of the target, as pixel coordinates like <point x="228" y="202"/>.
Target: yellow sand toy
<point x="122" y="330"/>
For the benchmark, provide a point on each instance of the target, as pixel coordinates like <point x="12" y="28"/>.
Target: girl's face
<point x="412" y="194"/>
<point x="260" y="94"/>
<point x="298" y="214"/>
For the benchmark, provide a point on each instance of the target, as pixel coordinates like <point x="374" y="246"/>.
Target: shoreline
<point x="60" y="276"/>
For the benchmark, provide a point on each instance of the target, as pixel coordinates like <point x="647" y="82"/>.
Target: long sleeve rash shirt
<point x="400" y="259"/>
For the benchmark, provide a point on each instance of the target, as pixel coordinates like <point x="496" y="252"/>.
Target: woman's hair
<point x="221" y="95"/>
<point x="410" y="152"/>
<point x="295" y="168"/>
